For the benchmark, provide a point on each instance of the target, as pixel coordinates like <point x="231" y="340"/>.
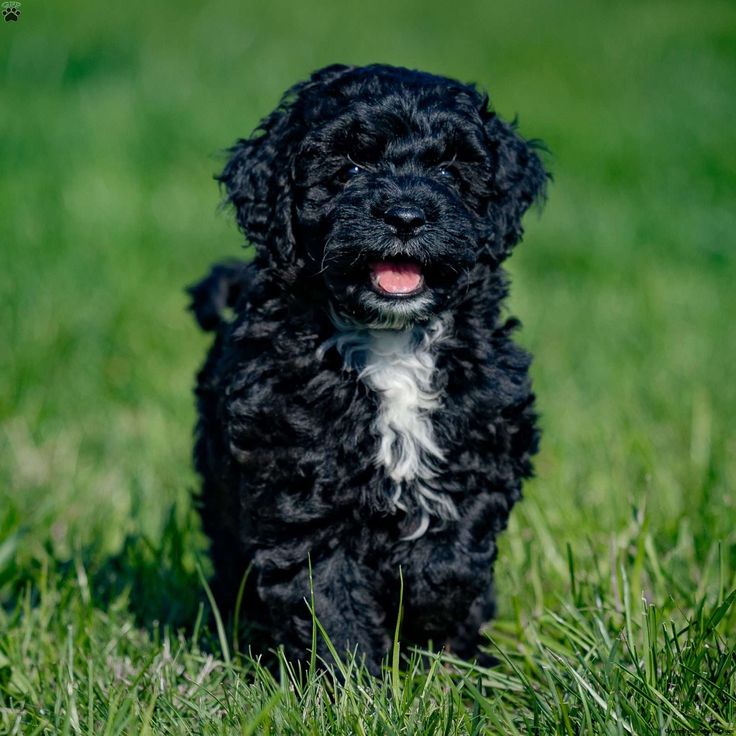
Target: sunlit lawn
<point x="614" y="577"/>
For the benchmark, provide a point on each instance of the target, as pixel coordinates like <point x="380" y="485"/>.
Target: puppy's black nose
<point x="405" y="220"/>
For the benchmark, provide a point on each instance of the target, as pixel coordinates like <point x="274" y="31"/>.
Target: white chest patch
<point x="399" y="366"/>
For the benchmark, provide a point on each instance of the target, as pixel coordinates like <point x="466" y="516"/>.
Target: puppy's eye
<point x="446" y="170"/>
<point x="349" y="171"/>
<point x="447" y="174"/>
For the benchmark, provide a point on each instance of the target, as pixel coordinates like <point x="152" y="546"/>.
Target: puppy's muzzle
<point x="405" y="221"/>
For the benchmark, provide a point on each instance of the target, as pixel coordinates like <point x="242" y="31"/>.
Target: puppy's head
<point x="385" y="187"/>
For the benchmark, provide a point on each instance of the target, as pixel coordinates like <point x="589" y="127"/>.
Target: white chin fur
<point x="398" y="364"/>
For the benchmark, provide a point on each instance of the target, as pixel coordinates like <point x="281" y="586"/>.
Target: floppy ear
<point x="518" y="181"/>
<point x="257" y="178"/>
<point x="258" y="175"/>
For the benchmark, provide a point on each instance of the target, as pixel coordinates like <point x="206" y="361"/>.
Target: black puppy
<point x="365" y="411"/>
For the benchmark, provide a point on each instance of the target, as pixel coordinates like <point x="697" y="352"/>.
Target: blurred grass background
<point x="113" y="118"/>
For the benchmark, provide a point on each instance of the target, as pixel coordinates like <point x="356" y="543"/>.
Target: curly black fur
<point x="287" y="442"/>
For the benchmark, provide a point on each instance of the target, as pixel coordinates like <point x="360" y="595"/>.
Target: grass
<point x="616" y="576"/>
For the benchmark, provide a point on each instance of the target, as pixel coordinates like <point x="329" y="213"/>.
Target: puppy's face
<point x="393" y="185"/>
<point x="390" y="200"/>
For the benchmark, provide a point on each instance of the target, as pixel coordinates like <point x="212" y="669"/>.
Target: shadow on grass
<point x="157" y="580"/>
<point x="165" y="584"/>
<point x="161" y="583"/>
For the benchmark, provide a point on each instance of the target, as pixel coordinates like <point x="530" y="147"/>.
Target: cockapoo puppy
<point x="364" y="415"/>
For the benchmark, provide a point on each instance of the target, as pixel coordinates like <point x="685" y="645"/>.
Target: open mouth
<point x="396" y="278"/>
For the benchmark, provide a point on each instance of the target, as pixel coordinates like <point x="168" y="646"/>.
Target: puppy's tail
<point x="218" y="291"/>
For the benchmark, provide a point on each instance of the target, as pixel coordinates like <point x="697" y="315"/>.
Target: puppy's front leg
<point x="448" y="590"/>
<point x="345" y="602"/>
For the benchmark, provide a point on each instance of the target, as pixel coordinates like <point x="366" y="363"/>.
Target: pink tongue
<point x="396" y="278"/>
